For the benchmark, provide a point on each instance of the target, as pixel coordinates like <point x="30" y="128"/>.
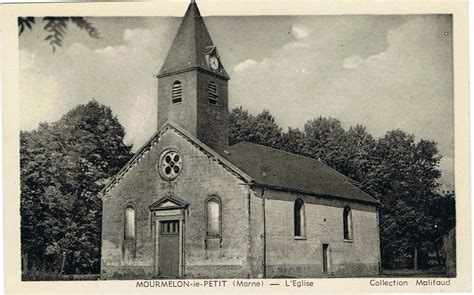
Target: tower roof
<point x="191" y="46"/>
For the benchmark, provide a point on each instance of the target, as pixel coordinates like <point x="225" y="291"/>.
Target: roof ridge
<point x="336" y="174"/>
<point x="302" y="156"/>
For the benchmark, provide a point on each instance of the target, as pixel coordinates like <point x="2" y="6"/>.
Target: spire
<point x="191" y="46"/>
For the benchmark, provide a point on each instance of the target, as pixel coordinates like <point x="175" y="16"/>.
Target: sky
<point x="382" y="71"/>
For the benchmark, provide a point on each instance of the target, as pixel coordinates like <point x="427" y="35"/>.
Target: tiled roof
<point x="279" y="169"/>
<point x="190" y="46"/>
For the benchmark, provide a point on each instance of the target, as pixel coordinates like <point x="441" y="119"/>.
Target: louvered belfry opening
<point x="177" y="92"/>
<point x="213" y="93"/>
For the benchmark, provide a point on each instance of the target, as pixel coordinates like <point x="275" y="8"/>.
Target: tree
<point x="293" y="141"/>
<point x="241" y="124"/>
<point x="63" y="167"/>
<point x="261" y="129"/>
<point x="325" y="140"/>
<point x="57" y="27"/>
<point x="360" y="147"/>
<point x="267" y="131"/>
<point x="407" y="187"/>
<point x="395" y="169"/>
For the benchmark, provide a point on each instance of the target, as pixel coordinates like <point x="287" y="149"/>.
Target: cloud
<point x="78" y="49"/>
<point x="400" y="80"/>
<point x="296" y="45"/>
<point x="139" y="36"/>
<point x="447" y="167"/>
<point x="355" y="61"/>
<point x="299" y="31"/>
<point x="244" y="65"/>
<point x="119" y="76"/>
<point x="39" y="91"/>
<point x="136" y="40"/>
<point x="382" y="72"/>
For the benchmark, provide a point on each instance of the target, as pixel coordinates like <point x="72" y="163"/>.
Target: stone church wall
<point x="290" y="257"/>
<point x="200" y="178"/>
<point x="240" y="252"/>
<point x="256" y="234"/>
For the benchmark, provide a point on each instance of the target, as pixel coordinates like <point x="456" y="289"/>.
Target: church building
<point x="189" y="205"/>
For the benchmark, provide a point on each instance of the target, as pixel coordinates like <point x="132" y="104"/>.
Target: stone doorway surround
<point x="168" y="208"/>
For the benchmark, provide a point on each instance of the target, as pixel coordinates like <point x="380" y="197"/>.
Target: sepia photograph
<point x="200" y="145"/>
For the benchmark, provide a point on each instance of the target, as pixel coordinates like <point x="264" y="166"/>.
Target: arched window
<point x="177" y="92"/>
<point x="214" y="217"/>
<point x="347" y="220"/>
<point x="213" y="94"/>
<point x="299" y="218"/>
<point x="129" y="226"/>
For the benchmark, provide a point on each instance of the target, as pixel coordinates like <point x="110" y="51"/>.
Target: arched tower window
<point x="129" y="225"/>
<point x="214" y="217"/>
<point x="347" y="220"/>
<point x="177" y="92"/>
<point x="213" y="94"/>
<point x="299" y="218"/>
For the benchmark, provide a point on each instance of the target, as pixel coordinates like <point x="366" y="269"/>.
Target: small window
<point x="170" y="164"/>
<point x="177" y="92"/>
<point x="299" y="218"/>
<point x="214" y="217"/>
<point x="347" y="220"/>
<point x="129" y="228"/>
<point x="170" y="228"/>
<point x="213" y="94"/>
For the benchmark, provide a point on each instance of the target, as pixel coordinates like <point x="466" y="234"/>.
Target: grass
<point x="421" y="273"/>
<point x="47" y="276"/>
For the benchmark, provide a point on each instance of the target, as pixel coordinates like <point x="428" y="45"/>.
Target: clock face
<point x="213" y="62"/>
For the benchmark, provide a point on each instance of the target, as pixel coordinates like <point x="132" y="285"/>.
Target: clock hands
<point x="214" y="63"/>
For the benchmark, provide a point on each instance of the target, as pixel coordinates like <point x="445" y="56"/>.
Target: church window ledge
<point x="207" y="240"/>
<point x="300" y="238"/>
<point x="348" y="241"/>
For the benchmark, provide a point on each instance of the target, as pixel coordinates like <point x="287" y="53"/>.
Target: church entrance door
<point x="169" y="248"/>
<point x="169" y="228"/>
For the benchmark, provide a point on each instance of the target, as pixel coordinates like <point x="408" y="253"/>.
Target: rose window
<point x="171" y="164"/>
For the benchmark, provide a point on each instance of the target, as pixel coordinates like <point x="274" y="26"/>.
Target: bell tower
<point x="192" y="83"/>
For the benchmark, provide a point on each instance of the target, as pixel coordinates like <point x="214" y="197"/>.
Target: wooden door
<point x="325" y="257"/>
<point x="169" y="248"/>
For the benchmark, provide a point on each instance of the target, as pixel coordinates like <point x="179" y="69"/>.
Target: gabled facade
<point x="188" y="205"/>
<point x="183" y="202"/>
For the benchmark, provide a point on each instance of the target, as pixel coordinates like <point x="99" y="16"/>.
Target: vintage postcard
<point x="236" y="146"/>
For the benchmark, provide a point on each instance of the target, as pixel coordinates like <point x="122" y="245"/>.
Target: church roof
<point x="283" y="170"/>
<point x="258" y="165"/>
<point x="190" y="46"/>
